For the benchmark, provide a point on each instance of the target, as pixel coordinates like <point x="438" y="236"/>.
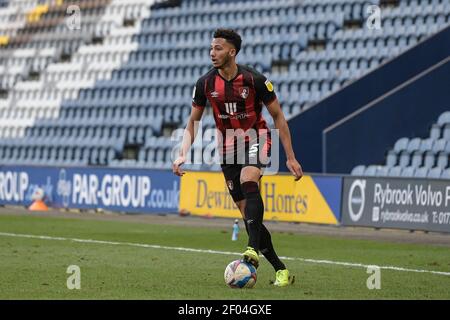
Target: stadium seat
<point x="429" y="159"/>
<point x="416" y="159"/>
<point x="446" y="132"/>
<point x="408" y="172"/>
<point x="371" y="170"/>
<point x="440" y="145"/>
<point x="395" y="171"/>
<point x="421" y="172"/>
<point x="401" y="144"/>
<point x="413" y="145"/>
<point x="391" y="159"/>
<point x="405" y="158"/>
<point x="382" y="171"/>
<point x="445" y="174"/>
<point x="435" y="173"/>
<point x="443" y="159"/>
<point x="435" y="131"/>
<point x="426" y="144"/>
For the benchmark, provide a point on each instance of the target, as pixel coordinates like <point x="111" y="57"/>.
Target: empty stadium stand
<point x="416" y="157"/>
<point x="112" y="91"/>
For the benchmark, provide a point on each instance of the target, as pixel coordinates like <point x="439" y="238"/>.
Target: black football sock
<point x="266" y="248"/>
<point x="268" y="251"/>
<point x="254" y="211"/>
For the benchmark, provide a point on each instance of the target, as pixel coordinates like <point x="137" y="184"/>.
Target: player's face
<point x="221" y="53"/>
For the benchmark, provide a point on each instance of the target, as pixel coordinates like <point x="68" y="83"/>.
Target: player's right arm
<point x="190" y="132"/>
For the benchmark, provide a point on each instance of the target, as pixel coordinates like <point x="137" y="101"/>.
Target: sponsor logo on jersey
<point x="238" y="116"/>
<point x="214" y="94"/>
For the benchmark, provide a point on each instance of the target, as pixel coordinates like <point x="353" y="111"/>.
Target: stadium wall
<point x="407" y="111"/>
<point x="308" y="126"/>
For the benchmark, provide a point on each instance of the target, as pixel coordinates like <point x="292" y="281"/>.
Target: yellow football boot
<point x="251" y="256"/>
<point x="283" y="279"/>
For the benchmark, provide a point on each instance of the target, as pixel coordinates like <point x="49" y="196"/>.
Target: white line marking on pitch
<point x="143" y="245"/>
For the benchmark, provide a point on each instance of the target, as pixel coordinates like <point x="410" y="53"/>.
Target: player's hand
<point x="176" y="167"/>
<point x="295" y="168"/>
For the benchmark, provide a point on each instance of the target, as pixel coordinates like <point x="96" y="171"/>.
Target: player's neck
<point x="229" y="72"/>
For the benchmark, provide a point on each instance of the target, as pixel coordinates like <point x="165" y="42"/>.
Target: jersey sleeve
<point x="198" y="95"/>
<point x="264" y="89"/>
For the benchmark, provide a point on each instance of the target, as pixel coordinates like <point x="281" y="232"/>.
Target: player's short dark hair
<point x="231" y="36"/>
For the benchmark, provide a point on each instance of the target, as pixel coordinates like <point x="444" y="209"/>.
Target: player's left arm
<point x="280" y="122"/>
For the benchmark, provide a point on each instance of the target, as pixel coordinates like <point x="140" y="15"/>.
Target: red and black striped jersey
<point x="237" y="103"/>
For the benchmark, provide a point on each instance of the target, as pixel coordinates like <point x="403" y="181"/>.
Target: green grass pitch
<point x="32" y="268"/>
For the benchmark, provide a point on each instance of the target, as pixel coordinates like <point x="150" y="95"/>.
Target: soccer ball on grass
<point x="240" y="274"/>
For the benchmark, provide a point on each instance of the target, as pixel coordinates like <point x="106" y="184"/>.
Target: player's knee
<point x="249" y="174"/>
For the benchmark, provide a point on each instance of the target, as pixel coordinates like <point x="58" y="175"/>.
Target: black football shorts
<point x="232" y="169"/>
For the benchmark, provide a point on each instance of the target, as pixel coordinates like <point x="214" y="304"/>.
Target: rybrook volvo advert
<point x="412" y="204"/>
<point x="135" y="190"/>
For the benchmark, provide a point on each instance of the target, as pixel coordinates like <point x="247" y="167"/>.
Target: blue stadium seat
<point x="426" y="144"/>
<point x="401" y="144"/>
<point x="150" y="156"/>
<point x="85" y="155"/>
<point x="413" y="144"/>
<point x="358" y="170"/>
<point x="416" y="159"/>
<point x="102" y="156"/>
<point x="435" y="173"/>
<point x="440" y="145"/>
<point x="395" y="171"/>
<point x="408" y="172"/>
<point x="111" y="155"/>
<point x="140" y="135"/>
<point x="435" y="131"/>
<point x="445" y="174"/>
<point x="405" y="158"/>
<point x="141" y="155"/>
<point x="446" y="132"/>
<point x="37" y="154"/>
<point x="429" y="159"/>
<point x="443" y="160"/>
<point x="371" y="170"/>
<point x="421" y="172"/>
<point x="391" y="159"/>
<point x="77" y="154"/>
<point x="382" y="171"/>
<point x="53" y="153"/>
<point x="60" y="154"/>
<point x="93" y="156"/>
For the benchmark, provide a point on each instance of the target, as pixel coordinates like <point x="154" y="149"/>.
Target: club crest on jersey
<point x="214" y="94"/>
<point x="243" y="92"/>
<point x="269" y="85"/>
<point x="230" y="184"/>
